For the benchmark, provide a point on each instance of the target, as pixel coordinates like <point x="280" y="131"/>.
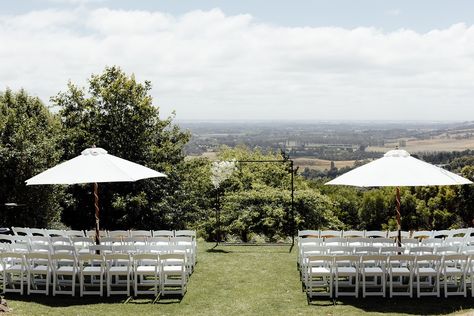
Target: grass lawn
<point x="239" y="280"/>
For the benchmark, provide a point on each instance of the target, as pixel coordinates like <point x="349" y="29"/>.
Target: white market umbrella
<point x="94" y="165"/>
<point x="395" y="169"/>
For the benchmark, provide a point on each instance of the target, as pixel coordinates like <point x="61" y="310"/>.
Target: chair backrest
<point x="64" y="259"/>
<point x="404" y="260"/>
<point x="376" y="234"/>
<point x="340" y="250"/>
<point x="424" y="250"/>
<point x="440" y="233"/>
<point x="102" y="249"/>
<point x="113" y="259"/>
<point x="335" y="241"/>
<point x="353" y="233"/>
<point x="432" y="242"/>
<point x="163" y="233"/>
<point x="185" y="233"/>
<point x="74" y="233"/>
<point x="68" y="249"/>
<point x="320" y="261"/>
<point x="126" y="249"/>
<point x="92" y="233"/>
<point x="38" y="258"/>
<point x="460" y="261"/>
<point x="371" y="260"/>
<point x="308" y="233"/>
<point x="134" y="240"/>
<point x="21" y="231"/>
<point x="394" y="234"/>
<point x="164" y="240"/>
<point x="393" y="250"/>
<point x="21" y="239"/>
<point x="118" y="233"/>
<point x="345" y="260"/>
<point x="307" y="250"/>
<point x="38" y="232"/>
<point x="383" y="242"/>
<point x="469" y="250"/>
<point x="369" y="250"/>
<point x="410" y="242"/>
<point x="181" y="240"/>
<point x="140" y="233"/>
<point x="148" y="259"/>
<point x="445" y="250"/>
<point x="422" y="234"/>
<point x="42" y="240"/>
<point x="55" y="232"/>
<point x="454" y="241"/>
<point x="359" y="241"/>
<point x="90" y="259"/>
<point x="432" y="261"/>
<point x="330" y="233"/>
<point x="20" y="247"/>
<point x="13" y="258"/>
<point x="173" y="259"/>
<point x="110" y="241"/>
<point x="40" y="248"/>
<point x="60" y="240"/>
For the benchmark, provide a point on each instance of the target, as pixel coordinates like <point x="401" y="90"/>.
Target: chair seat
<point x="15" y="268"/>
<point x="173" y="269"/>
<point x="452" y="271"/>
<point x="401" y="271"/>
<point x="66" y="270"/>
<point x="346" y="270"/>
<point x="92" y="270"/>
<point x="146" y="269"/>
<point x="427" y="271"/>
<point x="119" y="269"/>
<point x="320" y="271"/>
<point x="373" y="271"/>
<point x="39" y="269"/>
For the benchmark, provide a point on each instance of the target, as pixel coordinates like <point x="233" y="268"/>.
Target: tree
<point x="29" y="136"/>
<point x="116" y="113"/>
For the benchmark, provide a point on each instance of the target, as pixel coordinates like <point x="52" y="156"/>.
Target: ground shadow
<point x="414" y="306"/>
<point x="66" y="301"/>
<point x="214" y="250"/>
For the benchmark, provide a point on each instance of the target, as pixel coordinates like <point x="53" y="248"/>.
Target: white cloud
<point x="207" y="65"/>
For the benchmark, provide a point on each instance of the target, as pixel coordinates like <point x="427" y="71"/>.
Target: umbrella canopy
<point x="398" y="168"/>
<point x="94" y="165"/>
<point x="395" y="169"/>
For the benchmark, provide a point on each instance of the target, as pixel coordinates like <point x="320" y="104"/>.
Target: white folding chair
<point x="91" y="274"/>
<point x="38" y="270"/>
<point x="340" y="250"/>
<point x="118" y="265"/>
<point x="367" y="250"/>
<point x="185" y="233"/>
<point x="390" y="251"/>
<point x="55" y="233"/>
<point x="64" y="268"/>
<point x="447" y="250"/>
<point x="41" y="240"/>
<point x="146" y="274"/>
<point x="373" y="274"/>
<point x="400" y="272"/>
<point x="158" y="241"/>
<point x="432" y="242"/>
<point x="427" y="275"/>
<point x="421" y="250"/>
<point x="383" y="242"/>
<point x="60" y="241"/>
<point x="319" y="276"/>
<point x="346" y="274"/>
<point x="38" y="232"/>
<point x="308" y="233"/>
<point x="454" y="270"/>
<point x="92" y="233"/>
<point x="173" y="273"/>
<point x="82" y="244"/>
<point x="14" y="271"/>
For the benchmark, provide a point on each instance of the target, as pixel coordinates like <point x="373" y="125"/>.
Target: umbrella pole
<point x="399" y="225"/>
<point x="96" y="205"/>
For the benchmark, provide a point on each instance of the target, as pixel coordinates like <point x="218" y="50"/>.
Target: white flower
<point x="221" y="171"/>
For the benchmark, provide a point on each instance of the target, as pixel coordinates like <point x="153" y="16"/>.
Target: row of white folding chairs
<point x="149" y="273"/>
<point x="307" y="250"/>
<point x="24" y="231"/>
<point x="463" y="232"/>
<point x="90" y="247"/>
<point x="400" y="273"/>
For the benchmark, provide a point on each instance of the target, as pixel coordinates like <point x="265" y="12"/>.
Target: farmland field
<point x="429" y="145"/>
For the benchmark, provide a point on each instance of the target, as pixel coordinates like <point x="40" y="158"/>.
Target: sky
<point x="254" y="59"/>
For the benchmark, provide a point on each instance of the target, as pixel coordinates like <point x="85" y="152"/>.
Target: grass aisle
<point x="232" y="280"/>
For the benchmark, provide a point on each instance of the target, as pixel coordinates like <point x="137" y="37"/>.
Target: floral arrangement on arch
<point x="221" y="171"/>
